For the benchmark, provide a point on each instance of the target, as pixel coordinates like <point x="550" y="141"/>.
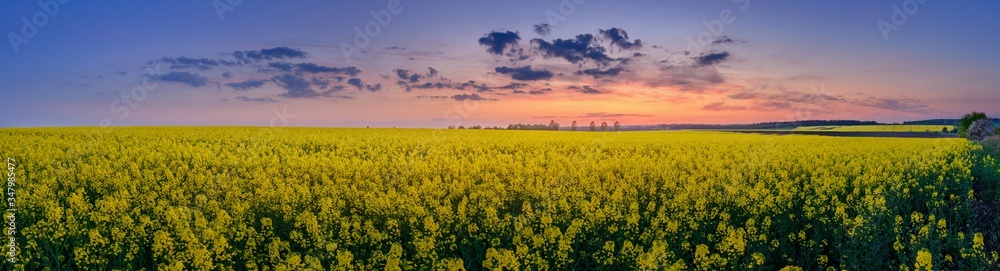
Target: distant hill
<point x="761" y="125"/>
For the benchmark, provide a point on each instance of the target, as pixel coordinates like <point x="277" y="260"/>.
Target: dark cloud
<point x="198" y="63"/>
<point x="525" y="73"/>
<point x="576" y="50"/>
<point x="227" y="75"/>
<point x="437" y="85"/>
<point x="431" y="72"/>
<point x="296" y="87"/>
<point x="433" y="97"/>
<point x="281" y="66"/>
<point x="543" y="29"/>
<point x="356" y="83"/>
<point x="598" y="73"/>
<point x="246" y="85"/>
<point x="540" y="91"/>
<point x="722" y="106"/>
<point x="256" y="100"/>
<point x="497" y="42"/>
<point x="268" y="54"/>
<point x="588" y="90"/>
<point x="513" y="85"/>
<point x="619" y="38"/>
<point x="470" y="97"/>
<point x="187" y="78"/>
<point x="410" y="77"/>
<point x="320" y="82"/>
<point x="710" y="59"/>
<point x="725" y="40"/>
<point x="313" y="68"/>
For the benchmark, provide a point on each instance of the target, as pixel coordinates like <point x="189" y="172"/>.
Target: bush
<point x="980" y="129"/>
<point x="967" y="121"/>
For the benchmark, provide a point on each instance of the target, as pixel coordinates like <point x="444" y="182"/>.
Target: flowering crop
<point x="367" y="199"/>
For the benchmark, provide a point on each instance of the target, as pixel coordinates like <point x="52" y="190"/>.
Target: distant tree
<point x="980" y="129"/>
<point x="967" y="121"/>
<point x="477" y="127"/>
<point x="944" y="130"/>
<point x="573" y="126"/>
<point x="461" y="127"/>
<point x="451" y="126"/>
<point x="593" y="127"/>
<point x="553" y="125"/>
<point x="618" y="126"/>
<point x="604" y="126"/>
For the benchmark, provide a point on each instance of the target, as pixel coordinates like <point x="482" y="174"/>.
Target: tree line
<point x="552" y="126"/>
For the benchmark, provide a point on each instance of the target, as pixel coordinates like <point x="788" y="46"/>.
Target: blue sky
<point x="773" y="61"/>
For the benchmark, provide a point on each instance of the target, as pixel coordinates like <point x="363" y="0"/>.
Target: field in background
<point x="878" y="128"/>
<point x="397" y="199"/>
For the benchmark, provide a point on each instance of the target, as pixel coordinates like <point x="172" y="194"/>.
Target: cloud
<point x="320" y="82"/>
<point x="576" y="50"/>
<point x="428" y="85"/>
<point x="598" y="73"/>
<point x="408" y="76"/>
<point x="433" y="97"/>
<point x="356" y="83"/>
<point x="256" y="100"/>
<point x="296" y="87"/>
<point x="619" y="38"/>
<point x="588" y="90"/>
<point x="281" y="66"/>
<point x="268" y="54"/>
<point x="710" y="59"/>
<point x="187" y="78"/>
<point x="722" y="106"/>
<point x="687" y="78"/>
<point x="227" y="74"/>
<point x="470" y="97"/>
<point x="725" y="40"/>
<point x="602" y="115"/>
<point x="246" y="85"/>
<point x="198" y="63"/>
<point x="543" y="29"/>
<point x="540" y="91"/>
<point x="894" y="104"/>
<point x="744" y="95"/>
<point x="525" y="73"/>
<point x="497" y="42"/>
<point x="431" y="72"/>
<point x="313" y="68"/>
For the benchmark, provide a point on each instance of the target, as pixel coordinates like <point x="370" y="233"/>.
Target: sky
<point x="420" y="63"/>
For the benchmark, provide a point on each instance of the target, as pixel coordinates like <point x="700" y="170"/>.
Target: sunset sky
<point x="438" y="63"/>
